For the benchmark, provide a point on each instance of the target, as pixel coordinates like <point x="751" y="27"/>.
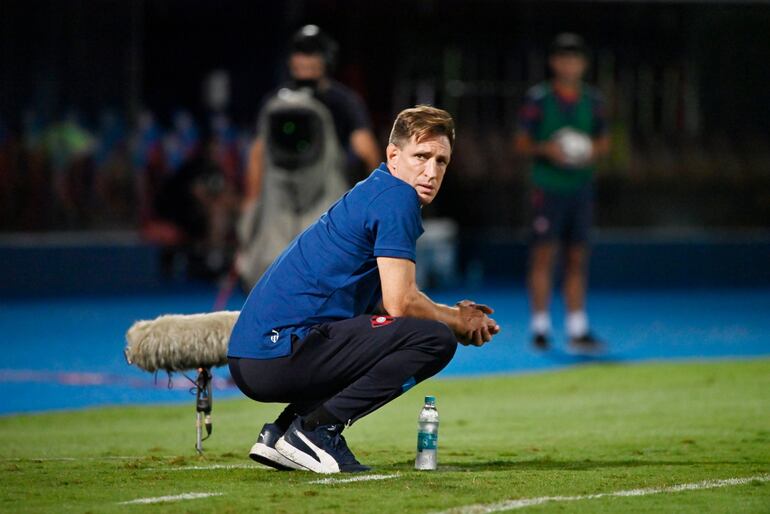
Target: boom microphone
<point x="178" y="342"/>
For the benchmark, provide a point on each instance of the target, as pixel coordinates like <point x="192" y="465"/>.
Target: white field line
<point x="362" y="478"/>
<point x="161" y="499"/>
<point x="72" y="459"/>
<point x="529" y="502"/>
<point x="210" y="466"/>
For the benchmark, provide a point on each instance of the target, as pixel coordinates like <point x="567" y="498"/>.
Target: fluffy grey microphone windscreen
<point x="177" y="342"/>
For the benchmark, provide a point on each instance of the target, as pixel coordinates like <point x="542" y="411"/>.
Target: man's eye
<point x="421" y="156"/>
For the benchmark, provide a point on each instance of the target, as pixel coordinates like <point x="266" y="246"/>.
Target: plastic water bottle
<point x="427" y="436"/>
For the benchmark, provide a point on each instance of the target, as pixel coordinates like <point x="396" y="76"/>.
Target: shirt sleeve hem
<point x="392" y="252"/>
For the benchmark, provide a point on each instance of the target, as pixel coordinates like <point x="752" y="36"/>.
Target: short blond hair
<point x="422" y="121"/>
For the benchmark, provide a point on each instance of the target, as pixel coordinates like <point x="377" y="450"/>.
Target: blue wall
<point x="640" y="260"/>
<point x="59" y="268"/>
<point x="87" y="267"/>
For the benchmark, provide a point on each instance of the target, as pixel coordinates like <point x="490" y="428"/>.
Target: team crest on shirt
<point x="381" y="321"/>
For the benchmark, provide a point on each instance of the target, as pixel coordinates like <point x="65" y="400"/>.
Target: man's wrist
<point x="454" y="321"/>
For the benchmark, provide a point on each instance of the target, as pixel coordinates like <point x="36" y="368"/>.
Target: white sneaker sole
<point x="267" y="453"/>
<point x="327" y="465"/>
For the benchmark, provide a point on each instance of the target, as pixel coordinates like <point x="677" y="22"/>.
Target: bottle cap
<point x="430" y="399"/>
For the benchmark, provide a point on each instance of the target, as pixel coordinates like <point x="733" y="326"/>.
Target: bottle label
<point x="426" y="441"/>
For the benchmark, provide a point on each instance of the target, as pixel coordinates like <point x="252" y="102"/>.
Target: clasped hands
<point x="477" y="327"/>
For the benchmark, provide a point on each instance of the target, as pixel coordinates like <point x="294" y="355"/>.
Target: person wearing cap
<point x="562" y="127"/>
<point x="312" y="55"/>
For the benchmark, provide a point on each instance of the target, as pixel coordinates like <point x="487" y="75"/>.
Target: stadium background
<point x="680" y="267"/>
<point x="684" y="81"/>
<point x="683" y="199"/>
<point x="680" y="270"/>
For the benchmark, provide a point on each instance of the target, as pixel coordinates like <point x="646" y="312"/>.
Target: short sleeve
<point x="359" y="119"/>
<point x="395" y="222"/>
<point x="347" y="110"/>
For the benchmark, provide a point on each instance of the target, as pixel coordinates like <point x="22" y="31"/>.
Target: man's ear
<point x="392" y="152"/>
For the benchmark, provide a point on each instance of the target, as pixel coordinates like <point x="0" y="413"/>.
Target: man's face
<point x="568" y="67"/>
<point x="306" y="66"/>
<point x="421" y="164"/>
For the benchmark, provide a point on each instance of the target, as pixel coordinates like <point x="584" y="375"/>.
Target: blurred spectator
<point x="111" y="135"/>
<point x="70" y="148"/>
<point x="195" y="212"/>
<point x="148" y="162"/>
<point x="562" y="127"/>
<point x="182" y="142"/>
<point x="114" y="184"/>
<point x="227" y="149"/>
<point x="312" y="57"/>
<point x="323" y="118"/>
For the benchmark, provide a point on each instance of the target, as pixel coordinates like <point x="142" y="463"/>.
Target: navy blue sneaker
<point x="322" y="450"/>
<point x="587" y="345"/>
<point x="264" y="451"/>
<point x="540" y="342"/>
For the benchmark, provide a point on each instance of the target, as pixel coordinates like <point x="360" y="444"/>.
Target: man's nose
<point x="431" y="169"/>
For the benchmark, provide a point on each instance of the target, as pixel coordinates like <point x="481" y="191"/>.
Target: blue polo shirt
<point x="329" y="272"/>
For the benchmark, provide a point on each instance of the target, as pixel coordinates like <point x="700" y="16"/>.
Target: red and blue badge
<point x="381" y="321"/>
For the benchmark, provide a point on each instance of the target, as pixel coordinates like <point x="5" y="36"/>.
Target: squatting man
<point x="337" y="327"/>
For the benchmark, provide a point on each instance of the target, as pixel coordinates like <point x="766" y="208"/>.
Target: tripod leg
<point x="199" y="433"/>
<point x="203" y="406"/>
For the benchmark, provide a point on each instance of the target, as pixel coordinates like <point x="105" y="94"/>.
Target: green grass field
<point x="586" y="430"/>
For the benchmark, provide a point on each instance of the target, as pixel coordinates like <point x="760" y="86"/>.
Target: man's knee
<point x="576" y="258"/>
<point x="448" y="343"/>
<point x="441" y="339"/>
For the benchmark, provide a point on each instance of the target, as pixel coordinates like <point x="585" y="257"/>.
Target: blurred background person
<point x="195" y="210"/>
<point x="299" y="162"/>
<point x="227" y="149"/>
<point x="70" y="147"/>
<point x="562" y="127"/>
<point x="182" y="142"/>
<point x="114" y="180"/>
<point x="148" y="164"/>
<point x="312" y="56"/>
